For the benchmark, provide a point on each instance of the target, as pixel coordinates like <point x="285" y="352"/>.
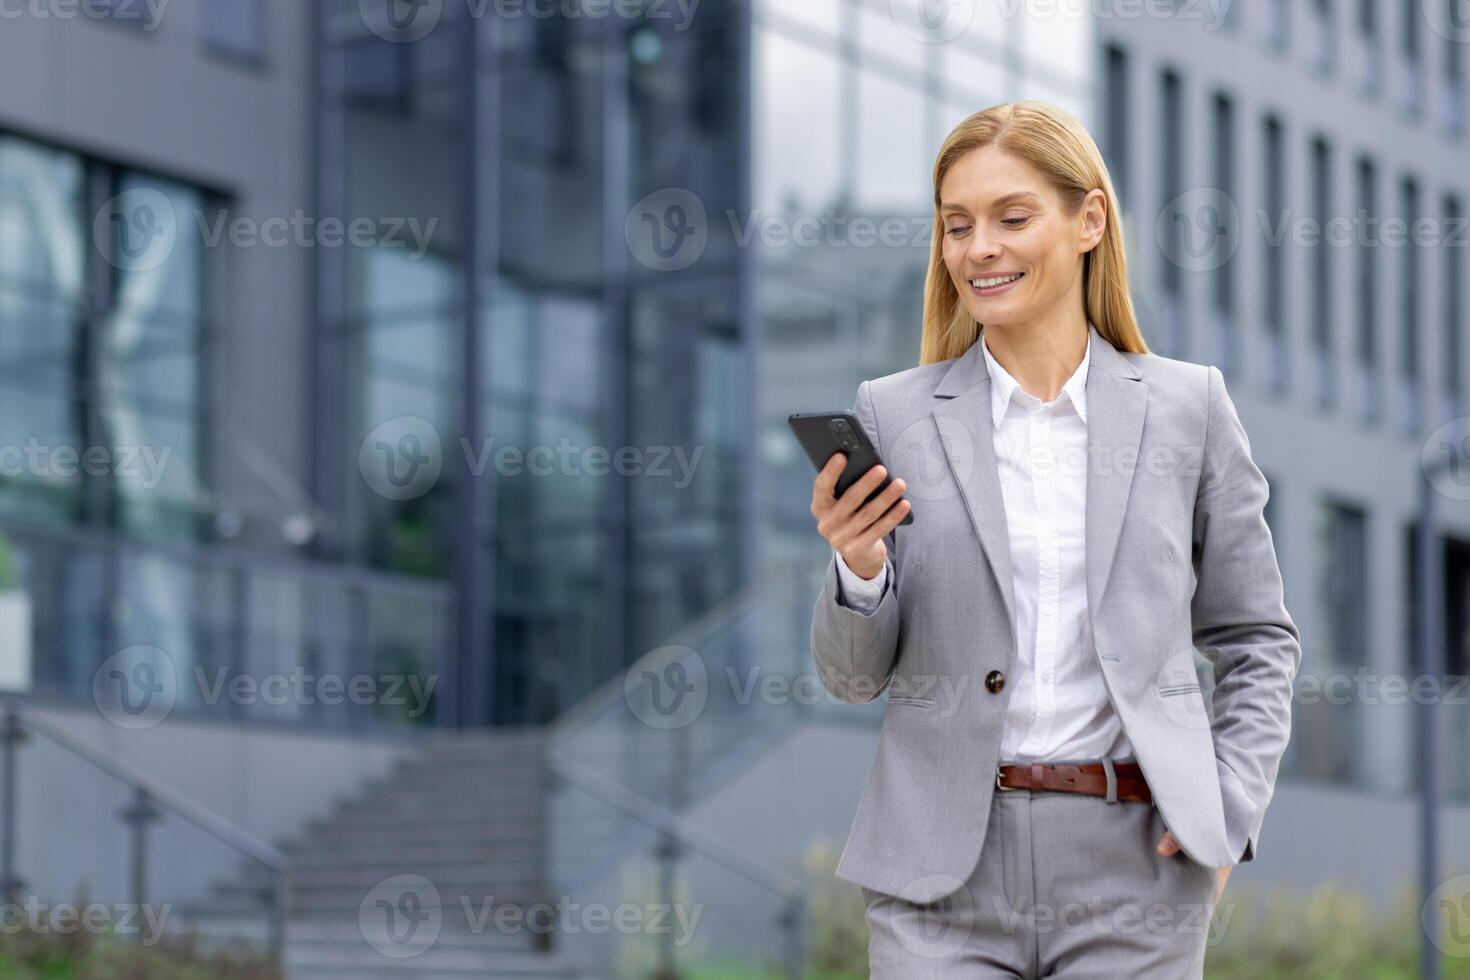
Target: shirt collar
<point x="1003" y="387"/>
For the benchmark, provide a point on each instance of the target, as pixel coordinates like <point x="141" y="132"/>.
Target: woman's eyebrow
<point x="1000" y="202"/>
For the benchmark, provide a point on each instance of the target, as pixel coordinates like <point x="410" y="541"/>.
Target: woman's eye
<point x="1014" y="222"/>
<point x="957" y="230"/>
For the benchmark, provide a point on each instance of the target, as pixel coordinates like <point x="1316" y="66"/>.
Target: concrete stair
<point x="410" y="877"/>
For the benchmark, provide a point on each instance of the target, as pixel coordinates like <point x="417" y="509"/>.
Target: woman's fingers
<point x="835" y="510"/>
<point x="878" y="506"/>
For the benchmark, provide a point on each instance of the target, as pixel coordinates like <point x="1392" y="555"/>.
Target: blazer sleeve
<point x="1240" y="622"/>
<point x="854" y="649"/>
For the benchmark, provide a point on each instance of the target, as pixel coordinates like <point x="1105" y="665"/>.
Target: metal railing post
<point x="791" y="924"/>
<point x="667" y="853"/>
<point x="275" y="900"/>
<point x="11" y="735"/>
<point x="138" y="817"/>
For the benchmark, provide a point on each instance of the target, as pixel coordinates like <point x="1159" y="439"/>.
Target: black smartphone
<point x="824" y="434"/>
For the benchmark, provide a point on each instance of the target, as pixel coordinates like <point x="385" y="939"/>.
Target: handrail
<point x="612" y="690"/>
<point x="147" y="793"/>
<point x="171" y="799"/>
<point x="226" y="559"/>
<point x="686" y="832"/>
<point x="677" y="830"/>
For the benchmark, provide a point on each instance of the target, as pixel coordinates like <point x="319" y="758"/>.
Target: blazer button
<point x="994" y="681"/>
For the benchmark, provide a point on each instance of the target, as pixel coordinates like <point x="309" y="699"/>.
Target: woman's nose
<point x="982" y="250"/>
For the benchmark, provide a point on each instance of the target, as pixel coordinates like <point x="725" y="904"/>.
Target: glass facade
<point x="852" y="99"/>
<point x="656" y="238"/>
<point x="103" y="334"/>
<point x="582" y="372"/>
<point x="115" y="530"/>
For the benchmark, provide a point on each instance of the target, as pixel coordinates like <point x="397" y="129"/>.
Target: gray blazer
<point x="1179" y="557"/>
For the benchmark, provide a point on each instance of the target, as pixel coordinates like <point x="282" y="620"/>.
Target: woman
<point x="1050" y="795"/>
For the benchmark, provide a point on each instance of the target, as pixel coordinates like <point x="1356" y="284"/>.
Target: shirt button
<point x="994" y="681"/>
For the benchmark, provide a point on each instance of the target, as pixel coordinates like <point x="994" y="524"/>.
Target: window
<point x="1227" y="353"/>
<point x="1452" y="82"/>
<point x="235" y="27"/>
<point x="1322" y="346"/>
<point x="1325" y="58"/>
<point x="1370" y="50"/>
<point x="1366" y="349"/>
<point x="1411" y="63"/>
<point x="1279" y="31"/>
<point x="1171" y="185"/>
<point x="1328" y="731"/>
<point x="1451" y="302"/>
<point x="103" y="327"/>
<point x="1116" y="131"/>
<point x="1409" y="309"/>
<point x="42" y="295"/>
<point x="1274" y="257"/>
<point x="1454" y="572"/>
<point x="1342" y="577"/>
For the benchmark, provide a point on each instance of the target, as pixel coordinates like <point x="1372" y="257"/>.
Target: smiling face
<point x="1002" y="219"/>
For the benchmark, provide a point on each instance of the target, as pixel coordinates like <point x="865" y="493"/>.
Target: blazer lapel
<point x="1116" y="404"/>
<point x="967" y="434"/>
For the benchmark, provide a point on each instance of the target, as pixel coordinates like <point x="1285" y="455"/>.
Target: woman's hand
<point x="856" y="530"/>
<point x="1169" y="844"/>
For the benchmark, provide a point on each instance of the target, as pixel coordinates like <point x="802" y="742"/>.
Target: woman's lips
<point x="990" y="291"/>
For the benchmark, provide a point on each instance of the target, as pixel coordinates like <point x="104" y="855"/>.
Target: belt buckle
<point x="998" y="783"/>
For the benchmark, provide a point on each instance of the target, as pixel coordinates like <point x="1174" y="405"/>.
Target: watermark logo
<point x="1445" y="457"/>
<point x="402" y="458"/>
<point x="917" y="455"/>
<point x="401" y="21"/>
<point x="932" y="21"/>
<point x="136" y="688"/>
<point x="1446" y="916"/>
<point x="668" y="687"/>
<point x="1199" y="230"/>
<point x="668" y="230"/>
<point x="34" y="916"/>
<point x="401" y="916"/>
<point x="136" y="230"/>
<point x="1450" y="20"/>
<point x="147" y="14"/>
<point x="143" y="466"/>
<point x="941" y="927"/>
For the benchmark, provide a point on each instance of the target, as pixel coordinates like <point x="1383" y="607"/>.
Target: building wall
<point x="1315" y="454"/>
<point x="160" y="100"/>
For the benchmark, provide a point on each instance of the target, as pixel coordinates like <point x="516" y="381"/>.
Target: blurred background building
<point x="446" y="347"/>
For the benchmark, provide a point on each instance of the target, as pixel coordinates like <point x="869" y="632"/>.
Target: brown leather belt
<point x="1077" y="777"/>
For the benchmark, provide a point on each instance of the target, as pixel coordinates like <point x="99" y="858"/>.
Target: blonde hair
<point x="1054" y="142"/>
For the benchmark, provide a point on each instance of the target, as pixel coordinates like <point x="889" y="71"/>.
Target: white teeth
<point x="985" y="283"/>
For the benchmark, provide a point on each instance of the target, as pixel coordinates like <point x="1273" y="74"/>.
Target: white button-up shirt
<point x="1059" y="709"/>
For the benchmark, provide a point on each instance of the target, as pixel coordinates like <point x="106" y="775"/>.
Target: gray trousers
<point x="1068" y="885"/>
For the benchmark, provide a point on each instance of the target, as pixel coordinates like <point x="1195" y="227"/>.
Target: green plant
<point x="8" y="578"/>
<point x="75" y="953"/>
<point x="1331" y="931"/>
<point x="836" y="917"/>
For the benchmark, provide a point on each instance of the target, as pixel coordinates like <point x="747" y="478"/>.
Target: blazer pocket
<point x="1174" y="690"/>
<point x="913" y="702"/>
